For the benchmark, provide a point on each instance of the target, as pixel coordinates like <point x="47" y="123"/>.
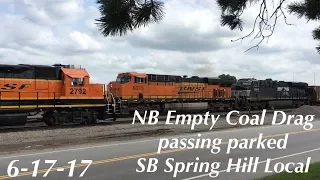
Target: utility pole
<point x="292" y="76"/>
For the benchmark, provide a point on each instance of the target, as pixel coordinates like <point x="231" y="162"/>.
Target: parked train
<point x="64" y="94"/>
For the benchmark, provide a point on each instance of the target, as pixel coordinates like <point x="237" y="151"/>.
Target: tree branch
<point x="262" y="22"/>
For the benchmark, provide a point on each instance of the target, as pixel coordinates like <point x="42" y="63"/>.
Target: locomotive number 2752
<point x="78" y="91"/>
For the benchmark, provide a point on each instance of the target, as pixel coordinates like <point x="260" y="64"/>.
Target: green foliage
<point x="120" y="16"/>
<point x="233" y="9"/>
<point x="316" y="35"/>
<point x="227" y="77"/>
<point x="310" y="9"/>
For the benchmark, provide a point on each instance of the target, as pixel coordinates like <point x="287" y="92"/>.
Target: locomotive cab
<point x="129" y="85"/>
<point x="75" y="82"/>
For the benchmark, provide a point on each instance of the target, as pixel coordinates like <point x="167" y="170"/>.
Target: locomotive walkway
<point x="119" y="160"/>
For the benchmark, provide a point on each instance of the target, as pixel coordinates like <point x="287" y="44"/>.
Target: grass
<point x="313" y="174"/>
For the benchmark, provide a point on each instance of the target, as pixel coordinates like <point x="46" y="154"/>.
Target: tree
<point x="227" y="77"/>
<point x="232" y="11"/>
<point x="120" y="16"/>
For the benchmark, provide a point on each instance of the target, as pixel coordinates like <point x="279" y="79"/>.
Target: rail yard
<point x="174" y="90"/>
<point x="48" y="108"/>
<point x="66" y="104"/>
<point x="64" y="95"/>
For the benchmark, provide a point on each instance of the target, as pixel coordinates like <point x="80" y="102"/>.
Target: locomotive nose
<point x="111" y="84"/>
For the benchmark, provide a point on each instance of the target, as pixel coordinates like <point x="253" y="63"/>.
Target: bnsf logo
<point x="191" y="88"/>
<point x="13" y="86"/>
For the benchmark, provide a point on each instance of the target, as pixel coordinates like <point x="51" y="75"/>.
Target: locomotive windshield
<point x="245" y="82"/>
<point x="123" y="79"/>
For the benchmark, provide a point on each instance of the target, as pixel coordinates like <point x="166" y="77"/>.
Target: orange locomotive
<point x="140" y="91"/>
<point x="61" y="92"/>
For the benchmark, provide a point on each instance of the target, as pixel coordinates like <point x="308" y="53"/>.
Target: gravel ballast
<point x="307" y="110"/>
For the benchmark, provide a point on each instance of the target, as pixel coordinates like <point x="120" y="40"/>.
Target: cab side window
<point x="140" y="80"/>
<point x="77" y="82"/>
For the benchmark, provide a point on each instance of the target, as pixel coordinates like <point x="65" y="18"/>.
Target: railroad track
<point x="36" y="124"/>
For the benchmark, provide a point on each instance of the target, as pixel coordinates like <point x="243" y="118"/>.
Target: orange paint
<point x="130" y="89"/>
<point x="28" y="89"/>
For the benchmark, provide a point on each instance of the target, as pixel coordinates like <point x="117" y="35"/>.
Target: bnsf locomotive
<point x="139" y="91"/>
<point x="64" y="94"/>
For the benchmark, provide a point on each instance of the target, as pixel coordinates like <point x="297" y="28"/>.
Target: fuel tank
<point x="186" y="106"/>
<point x="16" y="119"/>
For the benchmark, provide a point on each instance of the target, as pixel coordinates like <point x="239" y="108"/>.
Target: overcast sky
<point x="189" y="41"/>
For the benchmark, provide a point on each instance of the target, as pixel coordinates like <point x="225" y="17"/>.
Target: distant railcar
<point x="140" y="91"/>
<point x="314" y="95"/>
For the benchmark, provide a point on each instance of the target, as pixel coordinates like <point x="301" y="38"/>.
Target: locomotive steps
<point x="117" y="131"/>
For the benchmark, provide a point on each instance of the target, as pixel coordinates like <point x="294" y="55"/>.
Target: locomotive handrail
<point x="21" y="97"/>
<point x="35" y="98"/>
<point x="212" y="95"/>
